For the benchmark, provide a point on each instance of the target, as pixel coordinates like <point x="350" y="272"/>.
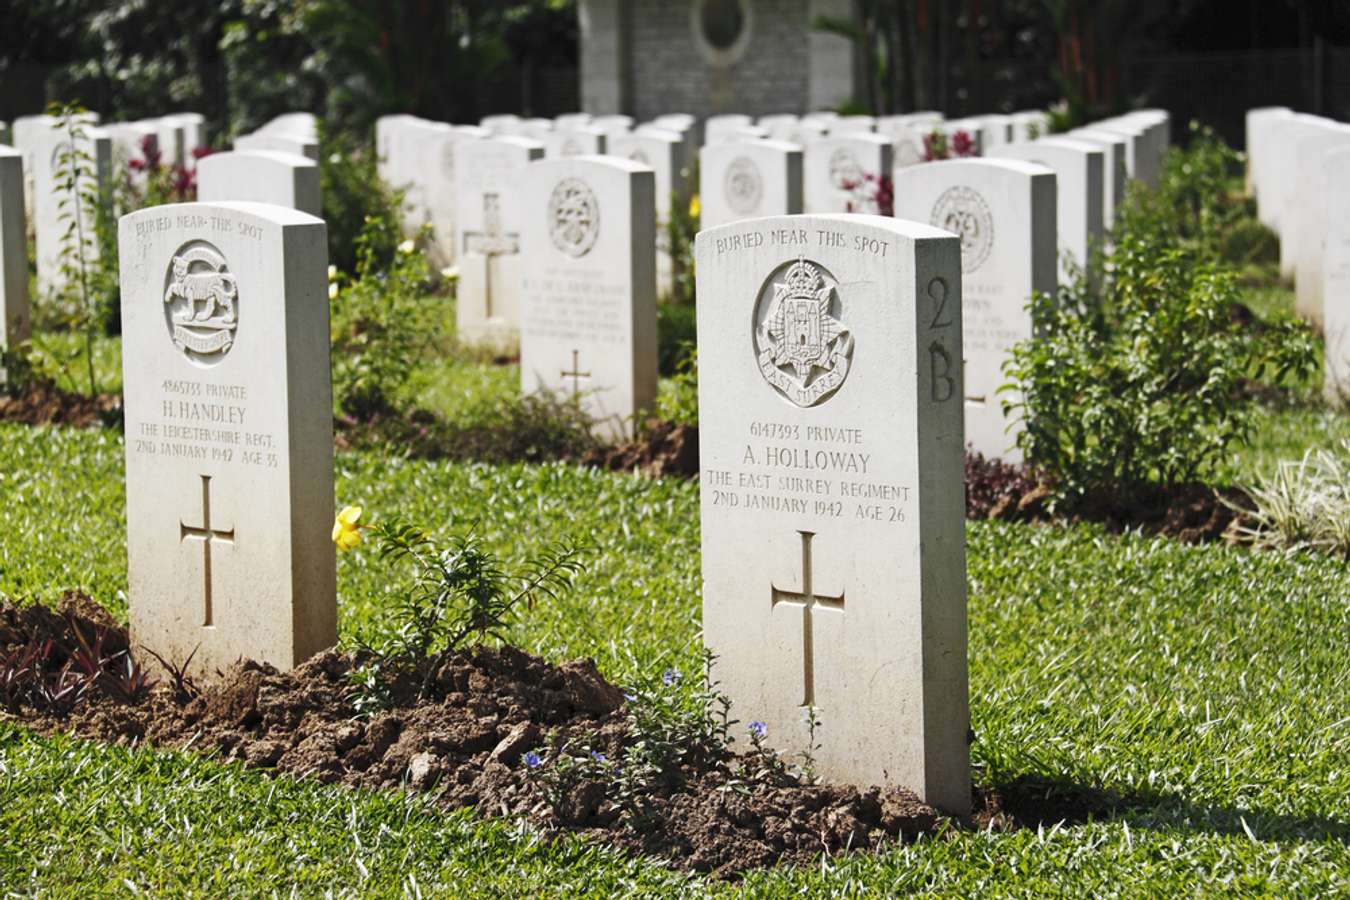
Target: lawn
<point x="1205" y="689"/>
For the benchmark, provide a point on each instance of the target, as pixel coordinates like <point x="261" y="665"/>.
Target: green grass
<point x="1205" y="686"/>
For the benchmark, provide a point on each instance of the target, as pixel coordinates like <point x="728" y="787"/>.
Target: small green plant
<point x="383" y="322"/>
<point x="353" y="196"/>
<point x="1136" y="385"/>
<point x="459" y="594"/>
<point x="1305" y="505"/>
<point x="677" y="401"/>
<point x="680" y="233"/>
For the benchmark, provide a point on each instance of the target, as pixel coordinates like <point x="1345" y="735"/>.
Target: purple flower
<point x="598" y="756"/>
<point x="671" y="676"/>
<point x="758" y="729"/>
<point x="533" y="760"/>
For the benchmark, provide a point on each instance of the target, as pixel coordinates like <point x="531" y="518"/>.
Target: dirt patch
<point x="662" y="449"/>
<point x="41" y="402"/>
<point x="475" y="740"/>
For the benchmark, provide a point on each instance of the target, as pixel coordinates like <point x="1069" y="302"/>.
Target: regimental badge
<point x="201" y="303"/>
<point x="573" y="217"/>
<point x="802" y="347"/>
<point x="962" y="211"/>
<point x="743" y="186"/>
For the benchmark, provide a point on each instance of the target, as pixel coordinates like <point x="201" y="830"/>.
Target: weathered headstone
<point x="663" y="152"/>
<point x="229" y="434"/>
<point x="261" y="176"/>
<point x="575" y="140"/>
<point x="1260" y="127"/>
<point x="1283" y="181"/>
<point x="417" y="157"/>
<point x="717" y="129"/>
<point x="55" y="211"/>
<point x="1078" y="168"/>
<point x="14" y="301"/>
<point x="1139" y="160"/>
<point x="488" y="175"/>
<point x="747" y="179"/>
<point x="1003" y="210"/>
<point x="1115" y="176"/>
<point x="588" y="298"/>
<point x="281" y="141"/>
<point x="830" y="433"/>
<point x="841" y="173"/>
<point x="1336" y="276"/>
<point x="1309" y="226"/>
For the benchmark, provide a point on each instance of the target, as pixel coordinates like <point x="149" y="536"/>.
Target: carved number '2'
<point x="939" y="360"/>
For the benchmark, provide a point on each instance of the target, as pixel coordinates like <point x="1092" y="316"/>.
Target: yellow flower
<point x="406" y="247"/>
<point x="694" y="206"/>
<point x="332" y="290"/>
<point x="346" y="533"/>
<point x="332" y="273"/>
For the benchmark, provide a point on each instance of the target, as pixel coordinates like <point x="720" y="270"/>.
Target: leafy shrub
<point x="1138" y="385"/>
<point x="680" y="232"/>
<point x="677" y="401"/>
<point x="1305" y="505"/>
<point x="937" y="146"/>
<point x="676" y="336"/>
<point x="381" y="323"/>
<point x="353" y="194"/>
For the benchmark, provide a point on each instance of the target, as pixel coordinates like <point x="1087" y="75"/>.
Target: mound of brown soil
<point x="472" y="741"/>
<point x="41" y="402"/>
<point x="661" y="449"/>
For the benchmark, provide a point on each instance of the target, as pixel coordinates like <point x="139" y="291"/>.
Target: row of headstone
<point x="14" y="300"/>
<point x="1299" y="173"/>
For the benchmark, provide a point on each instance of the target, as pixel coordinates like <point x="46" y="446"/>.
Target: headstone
<point x="717" y="128"/>
<point x="1003" y="210"/>
<point x="1030" y="124"/>
<point x="997" y="128"/>
<point x="748" y="179"/>
<point x="1309" y="213"/>
<point x="261" y="176"/>
<point x="841" y="173"/>
<point x="830" y="440"/>
<point x="663" y="152"/>
<point x="1261" y="126"/>
<point x="1115" y="175"/>
<point x="853" y="125"/>
<point x="488" y="220"/>
<point x="54" y="212"/>
<point x="504" y="123"/>
<point x="779" y="125"/>
<point x="14" y="302"/>
<point x="568" y="120"/>
<point x="303" y="124"/>
<point x="577" y="140"/>
<point x="1139" y="160"/>
<point x="171" y="134"/>
<point x="132" y="143"/>
<point x="613" y="125"/>
<point x="418" y="159"/>
<point x="194" y="134"/>
<point x="229" y="433"/>
<point x="906" y="137"/>
<point x="1336" y="276"/>
<point x="1078" y="168"/>
<point x="1283" y="180"/>
<point x="280" y="141"/>
<point x="25" y="133"/>
<point x="588" y="301"/>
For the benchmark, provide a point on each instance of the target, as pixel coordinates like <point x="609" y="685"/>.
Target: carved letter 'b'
<point x="944" y="386"/>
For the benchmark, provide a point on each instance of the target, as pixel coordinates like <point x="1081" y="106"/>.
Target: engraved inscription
<point x="940" y="365"/>
<point x="808" y="600"/>
<point x="573" y="217"/>
<point x="201" y="303"/>
<point x="962" y="211"/>
<point x="208" y="536"/>
<point x="743" y="186"/>
<point x="804" y="350"/>
<point x="845" y="170"/>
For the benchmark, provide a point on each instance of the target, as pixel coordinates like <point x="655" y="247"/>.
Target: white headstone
<point x="588" y="299"/>
<point x="488" y="220"/>
<point x="841" y="173"/>
<point x="1307" y="232"/>
<point x="281" y="141"/>
<point x="261" y="176"/>
<point x="718" y="128"/>
<point x="1138" y="156"/>
<point x="171" y="133"/>
<point x="568" y="120"/>
<point x="1078" y="168"/>
<point x="1030" y="124"/>
<point x="1115" y="175"/>
<point x="906" y="137"/>
<point x="54" y="211"/>
<point x="1282" y="180"/>
<point x="132" y="144"/>
<point x="663" y="152"/>
<point x="1003" y="210"/>
<point x="14" y="302"/>
<point x="1260" y="127"/>
<point x="576" y="140"/>
<point x="1336" y="276"/>
<point x="25" y="133"/>
<point x="997" y="128"/>
<point x="830" y="433"/>
<point x="194" y="134"/>
<point x="301" y="124"/>
<point x="418" y="158"/>
<point x="853" y="125"/>
<point x="504" y="123"/>
<point x="229" y="433"/>
<point x="748" y="179"/>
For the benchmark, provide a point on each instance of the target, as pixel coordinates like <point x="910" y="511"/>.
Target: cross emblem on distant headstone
<point x="576" y="374"/>
<point x="207" y="535"/>
<point x="808" y="599"/>
<point x="492" y="241"/>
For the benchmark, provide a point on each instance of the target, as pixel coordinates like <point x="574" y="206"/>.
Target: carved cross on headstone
<point x="576" y="374"/>
<point x="808" y="599"/>
<point x="492" y="241"/>
<point x="207" y="535"/>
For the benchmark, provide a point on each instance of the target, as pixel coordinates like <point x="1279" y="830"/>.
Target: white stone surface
<point x="25" y="132"/>
<point x="51" y="219"/>
<point x="722" y="127"/>
<point x="1261" y="124"/>
<point x="577" y="140"/>
<point x="194" y="133"/>
<point x="1335" y="271"/>
<point x="830" y="431"/>
<point x="229" y="435"/>
<point x="15" y="309"/>
<point x="588" y="298"/>
<point x="1078" y="168"/>
<point x="261" y="176"/>
<point x="130" y="142"/>
<point x="417" y="157"/>
<point x="1283" y="181"/>
<point x="836" y="172"/>
<point x="748" y="179"/>
<point x="1308" y="229"/>
<point x="853" y="125"/>
<point x="1004" y="211"/>
<point x="663" y="152"/>
<point x="279" y="140"/>
<point x="302" y="124"/>
<point x="907" y="138"/>
<point x="1115" y="175"/>
<point x="1138" y="158"/>
<point x="567" y="120"/>
<point x="488" y="220"/>
<point x="1030" y="124"/>
<point x="172" y="136"/>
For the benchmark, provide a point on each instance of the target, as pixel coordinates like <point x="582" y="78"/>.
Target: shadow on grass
<point x="1034" y="801"/>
